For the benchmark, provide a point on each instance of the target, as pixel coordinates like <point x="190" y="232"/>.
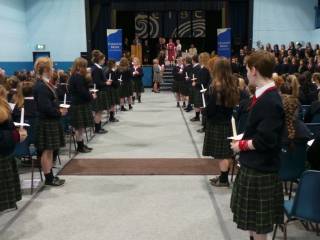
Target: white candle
<point x="22" y="118"/>
<point x="192" y="76"/>
<point x="187" y="75"/>
<point x="109" y="76"/>
<point x="65" y="99"/>
<point x="203" y="99"/>
<point x="94" y="86"/>
<point x="234" y="129"/>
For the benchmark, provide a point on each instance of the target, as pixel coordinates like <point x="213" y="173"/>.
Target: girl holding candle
<point x="195" y="90"/>
<point x="223" y="96"/>
<point x="101" y="102"/>
<point x="178" y="80"/>
<point x="80" y="111"/>
<point x="112" y="90"/>
<point x="9" y="137"/>
<point x="124" y="73"/>
<point x="137" y="74"/>
<point x="257" y="196"/>
<point x="49" y="131"/>
<point x="188" y="83"/>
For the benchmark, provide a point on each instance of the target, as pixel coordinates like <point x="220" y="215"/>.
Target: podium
<point x="136" y="51"/>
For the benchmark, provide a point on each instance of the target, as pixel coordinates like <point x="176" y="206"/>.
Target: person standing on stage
<point x="223" y="96"/>
<point x="257" y="196"/>
<point x="137" y="74"/>
<point x="171" y="49"/>
<point x="178" y="48"/>
<point x="80" y="112"/>
<point x="99" y="81"/>
<point x="49" y="131"/>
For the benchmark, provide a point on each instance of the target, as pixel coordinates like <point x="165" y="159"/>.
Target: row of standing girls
<point x="39" y="98"/>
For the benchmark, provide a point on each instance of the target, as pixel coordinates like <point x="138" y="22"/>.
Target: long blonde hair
<point x="204" y="59"/>
<point x="5" y="111"/>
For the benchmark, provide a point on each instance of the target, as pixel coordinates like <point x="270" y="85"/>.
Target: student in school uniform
<point x="195" y="87"/>
<point x="257" y="196"/>
<point x="178" y="83"/>
<point x="112" y="89"/>
<point x="124" y="76"/>
<point x="25" y="99"/>
<point x="80" y="112"/>
<point x="223" y="96"/>
<point x="203" y="79"/>
<point x="49" y="132"/>
<point x="137" y="74"/>
<point x="100" y="82"/>
<point x="157" y="75"/>
<point x="10" y="191"/>
<point x="187" y="72"/>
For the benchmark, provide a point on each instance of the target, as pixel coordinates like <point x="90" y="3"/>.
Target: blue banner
<point x="224" y="42"/>
<point x="114" y="44"/>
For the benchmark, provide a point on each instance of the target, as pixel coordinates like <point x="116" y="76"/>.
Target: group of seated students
<point x="50" y="98"/>
<point x="289" y="60"/>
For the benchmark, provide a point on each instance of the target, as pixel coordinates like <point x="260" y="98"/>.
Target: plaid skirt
<point x="178" y="86"/>
<point x="137" y="86"/>
<point x="81" y="116"/>
<point x="49" y="135"/>
<point x="10" y="191"/>
<point x="126" y="90"/>
<point x="186" y="89"/>
<point x="197" y="98"/>
<point x="115" y="95"/>
<point x="101" y="102"/>
<point x="216" y="143"/>
<point x="257" y="201"/>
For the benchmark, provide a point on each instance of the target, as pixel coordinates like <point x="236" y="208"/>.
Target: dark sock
<point x="80" y="144"/>
<point x="130" y="106"/>
<point x="111" y="115"/>
<point x="97" y="127"/>
<point x="197" y="114"/>
<point x="49" y="176"/>
<point x="224" y="176"/>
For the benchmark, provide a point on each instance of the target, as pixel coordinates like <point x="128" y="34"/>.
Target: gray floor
<point x="134" y="207"/>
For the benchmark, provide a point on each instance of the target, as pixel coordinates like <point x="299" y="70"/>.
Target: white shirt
<point x="261" y="90"/>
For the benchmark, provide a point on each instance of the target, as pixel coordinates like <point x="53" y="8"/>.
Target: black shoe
<point x="101" y="131"/>
<point x="201" y="130"/>
<point x="113" y="120"/>
<point x="83" y="150"/>
<point x="89" y="148"/>
<point x="130" y="107"/>
<point x="217" y="183"/>
<point x="56" y="182"/>
<point x="123" y="109"/>
<point x="195" y="119"/>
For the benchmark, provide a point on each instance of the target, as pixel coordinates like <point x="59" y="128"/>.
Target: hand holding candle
<point x="22" y="118"/>
<point x="64" y="105"/>
<point x="203" y="90"/>
<point x="234" y="128"/>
